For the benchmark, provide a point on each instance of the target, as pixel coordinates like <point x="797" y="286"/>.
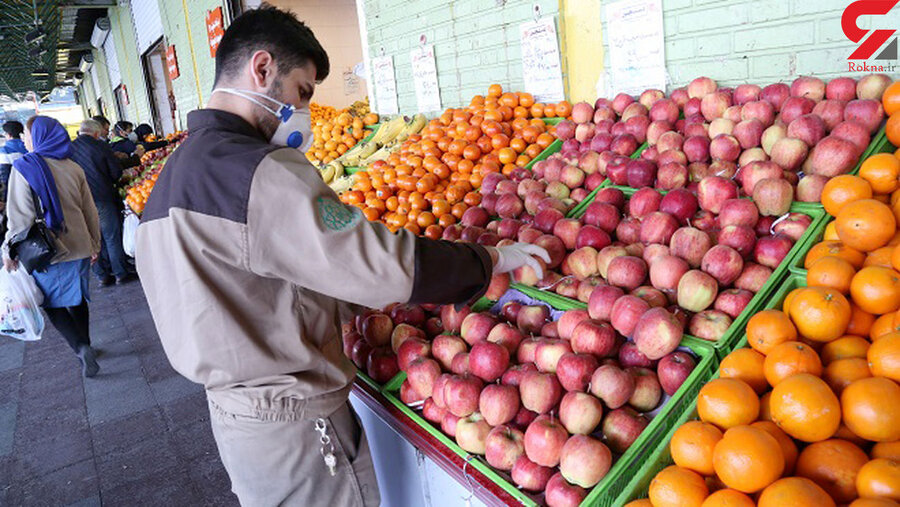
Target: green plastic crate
<point x="578" y="210"/>
<point x="815" y="236"/>
<point x="610" y="488"/>
<point x="554" y="147"/>
<point x="661" y="457"/>
<point x="553" y="120"/>
<point x="879" y="144"/>
<point x="728" y="342"/>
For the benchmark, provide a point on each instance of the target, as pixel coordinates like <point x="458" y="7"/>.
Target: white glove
<point x="512" y="257"/>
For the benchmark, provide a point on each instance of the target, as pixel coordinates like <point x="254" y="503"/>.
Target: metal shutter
<point x="95" y="82"/>
<point x="112" y="62"/>
<point x="147" y="23"/>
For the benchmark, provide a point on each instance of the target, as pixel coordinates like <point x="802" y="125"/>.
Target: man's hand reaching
<point x="512" y="257"/>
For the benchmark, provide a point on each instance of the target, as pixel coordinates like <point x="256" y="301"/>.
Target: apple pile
<point x="551" y="402"/>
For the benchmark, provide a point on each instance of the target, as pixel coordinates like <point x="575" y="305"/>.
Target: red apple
<point x="540" y="392"/>
<point x="580" y="413"/>
<point x="715" y="190"/>
<point x="696" y="291"/>
<point x="666" y="271"/>
<point x="658" y="227"/>
<point x="488" y="360"/>
<point x="408" y="394"/>
<point x="461" y="394"/>
<point x="759" y="110"/>
<point x="733" y="301"/>
<point x="445" y="347"/>
<point x="709" y="325"/>
<point x="422" y="375"/>
<point x="544" y="440"/>
<point x="622" y="427"/>
<point x="569" y="320"/>
<point x="460" y="364"/>
<point x="753" y="278"/>
<point x="593" y="337"/>
<point x="810" y="87"/>
<point x="629" y="355"/>
<point x="499" y="403"/>
<point x="789" y="153"/>
<point x="755" y="172"/>
<point x="574" y="371"/>
<point x="471" y="433"/>
<point x="503" y="446"/>
<point x="872" y="86"/>
<point x="739" y="237"/>
<point x="833" y="156"/>
<point x="477" y="326"/>
<point x="723" y="263"/>
<point x="376" y="329"/>
<point x="867" y="112"/>
<point x="593" y="237"/>
<point x="795" y="107"/>
<point x="548" y="353"/>
<point x="613" y="385"/>
<point x="583" y="262"/>
<point x="793" y="225"/>
<point x="532" y="317"/>
<point x="657" y="333"/>
<point x="738" y="212"/>
<point x="854" y="133"/>
<point x="381" y="365"/>
<point x="831" y="112"/>
<point x="841" y="88"/>
<point x="680" y="203"/>
<point x="647" y="390"/>
<point x="771" y="250"/>
<point x="696" y="148"/>
<point x="413" y="315"/>
<point x="513" y="376"/>
<point x="453" y="319"/>
<point x="627" y="271"/>
<point x="602" y="215"/>
<point x="529" y="475"/>
<point x="432" y="412"/>
<point x="626" y="312"/>
<point x="510" y="311"/>
<point x="810" y="188"/>
<point x="690" y="244"/>
<point x="602" y="300"/>
<point x="605" y="257"/>
<point x="674" y="369"/>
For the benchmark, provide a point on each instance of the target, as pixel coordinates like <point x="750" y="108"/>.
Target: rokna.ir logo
<point x="869" y="41"/>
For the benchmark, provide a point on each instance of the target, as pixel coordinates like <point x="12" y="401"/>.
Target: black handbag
<point x="34" y="247"/>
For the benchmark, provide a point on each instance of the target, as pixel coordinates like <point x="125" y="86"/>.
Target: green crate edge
<point x="660" y="457"/>
<point x="610" y="488"/>
<point x="728" y="342"/>
<point x="877" y="145"/>
<point x="579" y="209"/>
<point x="554" y="147"/>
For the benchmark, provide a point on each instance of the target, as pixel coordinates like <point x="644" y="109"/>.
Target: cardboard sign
<point x="385" y="85"/>
<point x="428" y="93"/>
<point x="215" y="29"/>
<point x="172" y="62"/>
<point x="541" y="67"/>
<point x="636" y="46"/>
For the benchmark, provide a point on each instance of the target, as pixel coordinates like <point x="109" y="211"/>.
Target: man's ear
<point x="262" y="69"/>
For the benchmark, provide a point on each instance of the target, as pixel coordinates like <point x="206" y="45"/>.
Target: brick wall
<point x="476" y="43"/>
<point x="758" y="41"/>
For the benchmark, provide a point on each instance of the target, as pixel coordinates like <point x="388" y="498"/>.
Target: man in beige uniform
<point x="250" y="262"/>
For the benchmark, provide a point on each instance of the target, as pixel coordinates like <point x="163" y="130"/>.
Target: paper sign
<point x="636" y="50"/>
<point x="385" y="85"/>
<point x="541" y="67"/>
<point x="428" y="93"/>
<point x="214" y="29"/>
<point x="172" y="62"/>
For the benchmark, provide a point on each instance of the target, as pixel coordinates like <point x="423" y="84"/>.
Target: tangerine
<point x="796" y="492"/>
<point x="890" y="99"/>
<point x="837" y="248"/>
<point x="888" y="450"/>
<point x="820" y="313"/>
<point x="876" y="289"/>
<point x="884" y="357"/>
<point x="692" y="446"/>
<point x="867" y="411"/>
<point x="833" y="465"/>
<point x="727" y="402"/>
<point x="879" y="478"/>
<point x="769" y="328"/>
<point x="866" y="224"/>
<point x="790" y="358"/>
<point x="806" y="408"/>
<point x="882" y="171"/>
<point x="843" y="372"/>
<point x="748" y="459"/>
<point x="788" y="447"/>
<point x="677" y="487"/>
<point x="860" y="321"/>
<point x="831" y="271"/>
<point x="745" y="364"/>
<point x="842" y="189"/>
<point x="728" y="498"/>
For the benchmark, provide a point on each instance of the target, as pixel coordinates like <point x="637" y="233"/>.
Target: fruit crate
<point x="796" y="255"/>
<point x="578" y="210"/>
<point x="661" y="457"/>
<point x="626" y="466"/>
<point x="815" y="236"/>
<point x="879" y="144"/>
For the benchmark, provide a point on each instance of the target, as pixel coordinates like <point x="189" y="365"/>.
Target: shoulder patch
<point x="335" y="216"/>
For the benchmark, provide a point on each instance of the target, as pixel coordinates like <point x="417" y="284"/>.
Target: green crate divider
<point x="815" y="235"/>
<point x="661" y="457"/>
<point x="368" y="380"/>
<point x="728" y="342"/>
<point x="554" y="147"/>
<point x="609" y="489"/>
<point x="553" y="120"/>
<point x="879" y="144"/>
<point x="552" y="298"/>
<point x="578" y="210"/>
<point x="394" y="383"/>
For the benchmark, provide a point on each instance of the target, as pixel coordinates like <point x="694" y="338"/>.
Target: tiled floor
<point x="137" y="434"/>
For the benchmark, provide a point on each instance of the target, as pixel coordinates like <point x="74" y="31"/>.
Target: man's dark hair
<point x="143" y="130"/>
<point x="102" y="119"/>
<point x="290" y="42"/>
<point x="122" y="126"/>
<point x="14" y="129"/>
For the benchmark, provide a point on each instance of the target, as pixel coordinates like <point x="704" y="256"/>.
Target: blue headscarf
<point x="50" y="140"/>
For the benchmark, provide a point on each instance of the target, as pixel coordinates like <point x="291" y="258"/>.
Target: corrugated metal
<point x="147" y="23"/>
<point x="112" y="62"/>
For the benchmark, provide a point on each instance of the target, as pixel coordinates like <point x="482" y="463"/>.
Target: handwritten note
<point x="428" y="93"/>
<point x="541" y="67"/>
<point x="636" y="50"/>
<point x="385" y="85"/>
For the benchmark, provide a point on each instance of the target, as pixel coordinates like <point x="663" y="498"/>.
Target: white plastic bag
<point x="20" y="301"/>
<point x="129" y="231"/>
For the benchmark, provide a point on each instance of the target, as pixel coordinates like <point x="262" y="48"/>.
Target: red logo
<point x="877" y="38"/>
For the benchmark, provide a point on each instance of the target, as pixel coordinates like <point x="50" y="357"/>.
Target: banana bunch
<point x="331" y="171"/>
<point x="342" y="184"/>
<point x="384" y="141"/>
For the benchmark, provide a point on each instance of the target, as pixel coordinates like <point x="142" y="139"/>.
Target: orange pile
<point x="334" y="135"/>
<point x="432" y="179"/>
<point x="809" y="413"/>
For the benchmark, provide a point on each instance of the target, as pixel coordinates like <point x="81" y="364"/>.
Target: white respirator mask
<point x="133" y="137"/>
<point x="295" y="129"/>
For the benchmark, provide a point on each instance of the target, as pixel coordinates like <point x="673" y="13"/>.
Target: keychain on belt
<point x="327" y="449"/>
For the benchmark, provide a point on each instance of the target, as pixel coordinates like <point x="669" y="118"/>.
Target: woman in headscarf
<point x="49" y="175"/>
<point x="143" y="132"/>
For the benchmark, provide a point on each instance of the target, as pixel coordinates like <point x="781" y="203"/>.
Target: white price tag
<point x="541" y="67"/>
<point x="428" y="93"/>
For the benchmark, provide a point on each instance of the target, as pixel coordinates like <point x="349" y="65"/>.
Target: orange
<point x="890" y="99"/>
<point x="876" y="289"/>
<point x="747" y="365"/>
<point x="820" y="314"/>
<point x="728" y="498"/>
<point x="880" y="257"/>
<point x="879" y="478"/>
<point x="882" y="172"/>
<point x="892" y="129"/>
<point x="870" y="409"/>
<point x="692" y="446"/>
<point x="889" y="450"/>
<point x="884" y="357"/>
<point x="495" y="90"/>
<point x="874" y="502"/>
<point x="789" y="298"/>
<point x="806" y="408"/>
<point x="788" y="447"/>
<point x="831" y="271"/>
<point x="765" y="407"/>
<point x="895" y="257"/>
<point x="643" y="502"/>
<point x="843" y="372"/>
<point x="796" y="492"/>
<point x="833" y="465"/>
<point x="843" y="189"/>
<point x="727" y="402"/>
<point x="860" y="321"/>
<point x="790" y="358"/>
<point x="748" y="459"/>
<point x="884" y="325"/>
<point x="769" y="328"/>
<point x="675" y="486"/>
<point x="845" y="347"/>
<point x="837" y="248"/>
<point x="865" y="224"/>
<point x="830" y="234"/>
<point x="844" y="433"/>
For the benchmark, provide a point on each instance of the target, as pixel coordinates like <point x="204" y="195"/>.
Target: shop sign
<point x="123" y="95"/>
<point x="215" y="29"/>
<point x="172" y="62"/>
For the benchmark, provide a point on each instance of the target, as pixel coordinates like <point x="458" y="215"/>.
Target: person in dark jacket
<point x="103" y="170"/>
<point x="124" y="143"/>
<point x="143" y="131"/>
<point x="12" y="150"/>
<point x="104" y="125"/>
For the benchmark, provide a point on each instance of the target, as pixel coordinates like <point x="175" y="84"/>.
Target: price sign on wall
<point x="541" y="67"/>
<point x="428" y="93"/>
<point x="636" y="50"/>
<point x="385" y="85"/>
<point x="215" y="29"/>
<point x="172" y="62"/>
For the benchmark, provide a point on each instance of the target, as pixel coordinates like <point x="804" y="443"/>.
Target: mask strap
<point x="284" y="112"/>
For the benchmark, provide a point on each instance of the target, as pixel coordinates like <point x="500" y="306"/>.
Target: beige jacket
<point x="249" y="261"/>
<point x="81" y="237"/>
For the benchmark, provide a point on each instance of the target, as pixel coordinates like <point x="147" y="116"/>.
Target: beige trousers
<point x="274" y="463"/>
